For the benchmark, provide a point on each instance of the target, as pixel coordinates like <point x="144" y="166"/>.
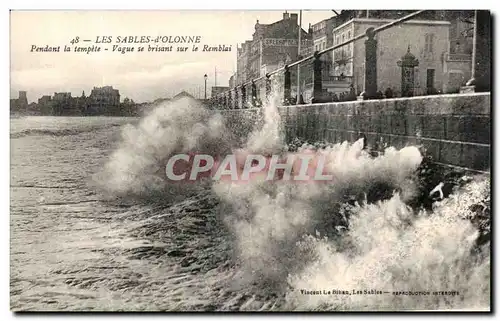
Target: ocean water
<point x="94" y="227"/>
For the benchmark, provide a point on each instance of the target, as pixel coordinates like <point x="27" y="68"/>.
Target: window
<point x="349" y="34"/>
<point x="430" y="79"/>
<point x="429" y="43"/>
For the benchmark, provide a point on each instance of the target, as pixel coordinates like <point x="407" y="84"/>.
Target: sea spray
<point x="267" y="137"/>
<point x="295" y="238"/>
<point x="269" y="218"/>
<point x="390" y="248"/>
<point x="137" y="167"/>
<point x="355" y="232"/>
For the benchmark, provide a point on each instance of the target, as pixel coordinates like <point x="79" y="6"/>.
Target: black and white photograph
<point x="292" y="160"/>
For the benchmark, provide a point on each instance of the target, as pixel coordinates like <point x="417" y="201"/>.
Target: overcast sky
<point x="139" y="76"/>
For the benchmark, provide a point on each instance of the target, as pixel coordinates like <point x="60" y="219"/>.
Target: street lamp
<point x="205" y="85"/>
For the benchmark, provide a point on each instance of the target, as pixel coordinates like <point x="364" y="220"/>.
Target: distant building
<point x="62" y="97"/>
<point x="23" y="98"/>
<point x="13" y="105"/>
<point x="20" y="104"/>
<point x="45" y="105"/>
<point x="104" y="100"/>
<point x="32" y="109"/>
<point x="44" y="100"/>
<point x="63" y="104"/>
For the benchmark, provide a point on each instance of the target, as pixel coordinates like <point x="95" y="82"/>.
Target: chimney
<point x="310" y="30"/>
<point x="294" y="17"/>
<point x="286" y="15"/>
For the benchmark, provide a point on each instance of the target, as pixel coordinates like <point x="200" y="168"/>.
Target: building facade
<point x="105" y="96"/>
<point x="321" y="38"/>
<point x="428" y="40"/>
<point x="20" y="104"/>
<point x="62" y="97"/>
<point x="242" y="65"/>
<point x="104" y="100"/>
<point x="46" y="99"/>
<point x="23" y="98"/>
<point x="45" y="105"/>
<point x="272" y="46"/>
<point x="63" y="104"/>
<point x="440" y="39"/>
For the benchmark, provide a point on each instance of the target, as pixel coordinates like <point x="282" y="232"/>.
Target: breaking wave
<point x="362" y="231"/>
<point x="137" y="167"/>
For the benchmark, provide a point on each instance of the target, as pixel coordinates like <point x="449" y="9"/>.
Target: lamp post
<point x="205" y="85"/>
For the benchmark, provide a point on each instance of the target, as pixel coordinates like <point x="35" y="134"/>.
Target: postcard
<point x="244" y="161"/>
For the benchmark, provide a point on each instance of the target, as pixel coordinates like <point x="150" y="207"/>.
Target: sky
<point x="141" y="76"/>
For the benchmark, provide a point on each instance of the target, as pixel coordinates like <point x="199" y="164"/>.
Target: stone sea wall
<point x="454" y="129"/>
